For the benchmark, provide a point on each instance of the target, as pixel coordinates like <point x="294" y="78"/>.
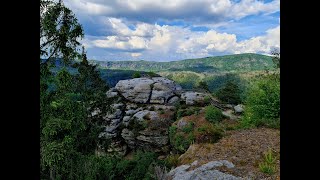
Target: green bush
<point x="187" y="112"/>
<point x="209" y="133"/>
<point x="152" y="74"/>
<point x="188" y="128"/>
<point x="229" y="93"/>
<point x="263" y="103"/>
<point x="213" y="114"/>
<point x="172" y="160"/>
<point x="136" y="75"/>
<point x="207" y="100"/>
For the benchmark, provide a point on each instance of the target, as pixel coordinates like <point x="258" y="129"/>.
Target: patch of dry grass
<point x="244" y="148"/>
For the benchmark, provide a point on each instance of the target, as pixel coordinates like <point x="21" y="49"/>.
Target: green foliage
<point x="213" y="114"/>
<point x="268" y="165"/>
<point x="136" y="125"/>
<point x="60" y="31"/>
<point x="136" y="75"/>
<point x="230" y="93"/>
<point x="209" y="133"/>
<point x="152" y="74"/>
<point x="181" y="141"/>
<point x="218" y="64"/>
<point x="207" y="100"/>
<point x="263" y="103"/>
<point x="187" y="112"/>
<point x="68" y="132"/>
<point x="188" y="128"/>
<point x="112" y="167"/>
<point x="276" y="58"/>
<point x="172" y="132"/>
<point x="172" y="160"/>
<point x="203" y="85"/>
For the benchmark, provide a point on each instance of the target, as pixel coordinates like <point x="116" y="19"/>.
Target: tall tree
<point x="67" y="129"/>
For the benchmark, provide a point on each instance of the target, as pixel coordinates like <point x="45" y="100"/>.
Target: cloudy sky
<point x="167" y="30"/>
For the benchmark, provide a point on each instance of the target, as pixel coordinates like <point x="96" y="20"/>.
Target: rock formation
<point x="140" y="115"/>
<point x="206" y="171"/>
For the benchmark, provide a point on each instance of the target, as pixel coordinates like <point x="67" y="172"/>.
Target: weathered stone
<point x="238" y="108"/>
<point x="173" y="100"/>
<point x="135" y="90"/>
<point x="144" y="90"/>
<point x="146" y="115"/>
<point x="193" y="98"/>
<point x="206" y="171"/>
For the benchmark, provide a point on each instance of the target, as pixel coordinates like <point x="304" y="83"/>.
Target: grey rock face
<point x="144" y="90"/>
<point x="206" y="171"/>
<point x="142" y="112"/>
<point x="239" y="108"/>
<point x="135" y="90"/>
<point x="193" y="98"/>
<point x="173" y="100"/>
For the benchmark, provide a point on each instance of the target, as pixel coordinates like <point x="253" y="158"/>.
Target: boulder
<point x="146" y="115"/>
<point x="193" y="98"/>
<point x="206" y="171"/>
<point x="156" y="90"/>
<point x="239" y="108"/>
<point x="135" y="90"/>
<point x="173" y="100"/>
<point x="162" y="90"/>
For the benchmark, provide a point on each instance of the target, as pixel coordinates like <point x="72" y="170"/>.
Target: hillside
<point x="218" y="64"/>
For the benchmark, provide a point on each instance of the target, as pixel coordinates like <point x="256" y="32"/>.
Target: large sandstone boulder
<point x="135" y="90"/>
<point x="157" y="90"/>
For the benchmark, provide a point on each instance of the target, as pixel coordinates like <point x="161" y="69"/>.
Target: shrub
<point x="213" y="114"/>
<point x="136" y="75"/>
<point x="263" y="103"/>
<point x="172" y="160"/>
<point x="188" y="112"/>
<point x="209" y="133"/>
<point x="188" y="128"/>
<point x="181" y="142"/>
<point x="229" y="93"/>
<point x="112" y="167"/>
<point x="268" y="165"/>
<point x="152" y="74"/>
<point x="207" y="100"/>
<point x="172" y="132"/>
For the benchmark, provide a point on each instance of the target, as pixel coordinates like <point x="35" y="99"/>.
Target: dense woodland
<point x="72" y="89"/>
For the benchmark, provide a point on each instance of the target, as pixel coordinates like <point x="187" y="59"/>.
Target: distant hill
<point x="218" y="64"/>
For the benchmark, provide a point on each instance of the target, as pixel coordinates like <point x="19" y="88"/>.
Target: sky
<point x="171" y="30"/>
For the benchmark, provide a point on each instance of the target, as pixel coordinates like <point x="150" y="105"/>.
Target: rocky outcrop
<point x="206" y="171"/>
<point x="157" y="90"/>
<point x="142" y="111"/>
<point x="141" y="114"/>
<point x="193" y="98"/>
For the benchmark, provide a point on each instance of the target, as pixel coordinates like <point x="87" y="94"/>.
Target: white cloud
<point x="155" y="42"/>
<point x="136" y="54"/>
<point x="196" y="11"/>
